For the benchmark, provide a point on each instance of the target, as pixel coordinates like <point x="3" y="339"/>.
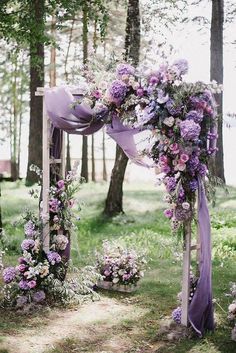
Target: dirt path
<point x="93" y="324"/>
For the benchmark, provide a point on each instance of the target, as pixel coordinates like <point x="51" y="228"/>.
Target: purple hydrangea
<point x="172" y="108"/>
<point x="30" y="229"/>
<point x="9" y="274"/>
<point x="27" y="244"/>
<point x="32" y="284"/>
<point x="193" y="163"/>
<point x="21" y="301"/>
<point x="39" y="296"/>
<point x="181" y="195"/>
<point x="23" y="285"/>
<point x="124" y="69"/>
<point x="176" y="315"/>
<point x="193" y="185"/>
<point x="53" y="257"/>
<point x="202" y="169"/>
<point x="180" y="66"/>
<point x="117" y="92"/>
<point x="182" y="214"/>
<point x="171" y="184"/>
<point x="195" y="115"/>
<point x="189" y="130"/>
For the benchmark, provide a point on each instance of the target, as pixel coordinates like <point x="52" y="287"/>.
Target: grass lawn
<point x="143" y="226"/>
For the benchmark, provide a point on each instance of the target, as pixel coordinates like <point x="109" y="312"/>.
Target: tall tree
<point x="36" y="80"/>
<point x="84" y="162"/>
<point x="217" y="23"/>
<point x="114" y="200"/>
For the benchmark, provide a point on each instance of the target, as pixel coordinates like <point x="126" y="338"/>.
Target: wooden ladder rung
<point x="52" y="161"/>
<point x="195" y="247"/>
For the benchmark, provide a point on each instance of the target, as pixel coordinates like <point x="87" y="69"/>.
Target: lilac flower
<point x="124" y="69"/>
<point x="181" y="195"/>
<point x="171" y="184"/>
<point x="195" y="115"/>
<point x="27" y="244"/>
<point x="117" y="92"/>
<point x="172" y="108"/>
<point x="193" y="185"/>
<point x="176" y="315"/>
<point x="61" y="184"/>
<point x="189" y="130"/>
<point x="39" y="296"/>
<point x="23" y="284"/>
<point x="9" y="274"/>
<point x="180" y="66"/>
<point x="53" y="257"/>
<point x="30" y="229"/>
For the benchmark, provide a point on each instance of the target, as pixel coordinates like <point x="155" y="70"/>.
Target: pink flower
<point x="31" y="284"/>
<point x="140" y="92"/>
<point x="97" y="94"/>
<point x="168" y="213"/>
<point x="184" y="157"/>
<point x="174" y="147"/>
<point x="21" y="267"/>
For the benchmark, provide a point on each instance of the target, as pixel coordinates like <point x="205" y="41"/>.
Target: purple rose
<point x="54" y="205"/>
<point x="53" y="257"/>
<point x="117" y="92"/>
<point x="124" y="69"/>
<point x="176" y="315"/>
<point x="195" y="115"/>
<point x="9" y="274"/>
<point x="22" y="267"/>
<point x="39" y="296"/>
<point x="27" y="244"/>
<point x="189" y="130"/>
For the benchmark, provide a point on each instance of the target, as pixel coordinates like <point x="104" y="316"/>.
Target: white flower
<point x="186" y="205"/>
<point x="115" y="280"/>
<point x="61" y="241"/>
<point x="232" y="308"/>
<point x="169" y="121"/>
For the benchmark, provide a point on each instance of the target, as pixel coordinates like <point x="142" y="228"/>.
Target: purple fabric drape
<point x="201" y="307"/>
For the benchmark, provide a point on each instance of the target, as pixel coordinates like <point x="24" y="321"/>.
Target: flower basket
<point x="123" y="288"/>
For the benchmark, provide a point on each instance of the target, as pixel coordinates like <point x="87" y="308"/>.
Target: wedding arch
<point x="182" y="119"/>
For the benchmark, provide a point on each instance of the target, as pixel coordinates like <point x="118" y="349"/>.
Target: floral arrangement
<point x="33" y="279"/>
<point x="232" y="310"/>
<point x="181" y="116"/>
<point x="120" y="265"/>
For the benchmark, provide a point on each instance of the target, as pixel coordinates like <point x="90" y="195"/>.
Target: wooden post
<point x="46" y="180"/>
<point x="63" y="156"/>
<point x="186" y="272"/>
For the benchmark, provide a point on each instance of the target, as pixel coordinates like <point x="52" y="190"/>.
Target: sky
<point x="189" y="43"/>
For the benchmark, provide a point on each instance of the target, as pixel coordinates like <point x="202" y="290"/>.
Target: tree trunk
<point x="93" y="160"/>
<point x="84" y="166"/>
<point x="114" y="200"/>
<point x="14" y="131"/>
<point x="104" y="169"/>
<point x="217" y="22"/>
<point x="36" y="106"/>
<point x="68" y="161"/>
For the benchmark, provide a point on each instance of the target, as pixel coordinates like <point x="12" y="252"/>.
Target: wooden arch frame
<point x="187" y="228"/>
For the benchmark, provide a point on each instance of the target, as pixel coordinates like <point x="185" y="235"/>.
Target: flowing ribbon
<point x="201" y="307"/>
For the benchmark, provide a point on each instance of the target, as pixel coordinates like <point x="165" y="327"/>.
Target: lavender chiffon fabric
<point x="81" y="119"/>
<point x="201" y="307"/>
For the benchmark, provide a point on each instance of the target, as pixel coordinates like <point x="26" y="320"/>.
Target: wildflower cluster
<point x="120" y="265"/>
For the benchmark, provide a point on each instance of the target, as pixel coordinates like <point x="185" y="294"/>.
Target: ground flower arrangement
<point x="39" y="277"/>
<point x="232" y="311"/>
<point x="120" y="267"/>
